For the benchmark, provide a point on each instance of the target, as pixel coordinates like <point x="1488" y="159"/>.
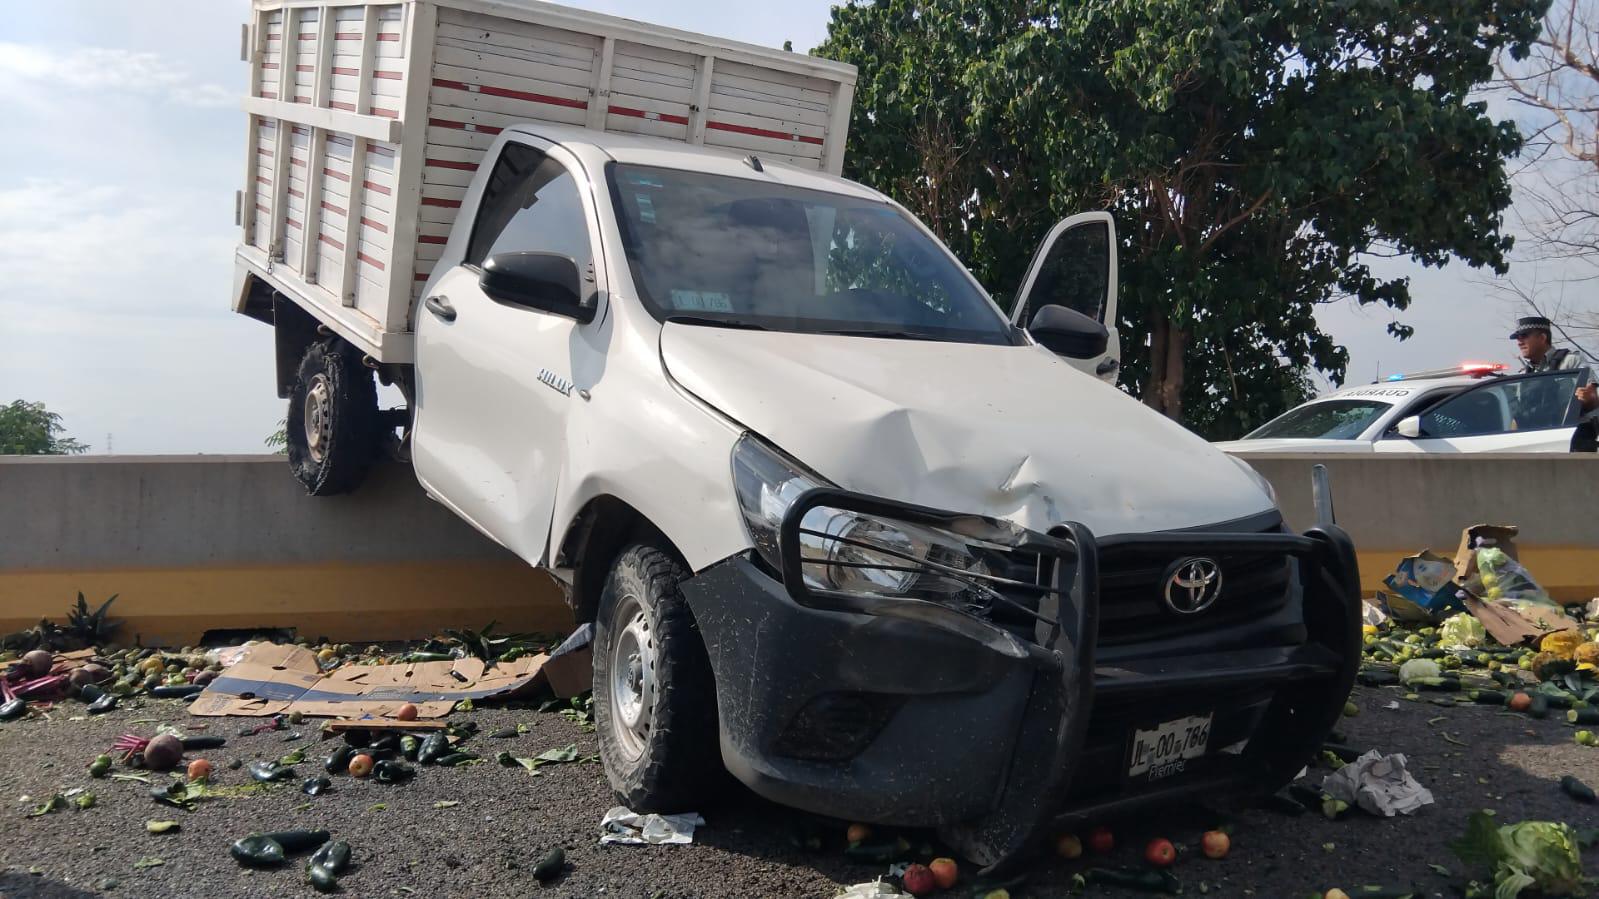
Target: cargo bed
<point x="368" y="120"/>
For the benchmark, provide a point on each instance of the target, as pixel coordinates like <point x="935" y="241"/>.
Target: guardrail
<point x="205" y="543"/>
<point x="1395" y="505"/>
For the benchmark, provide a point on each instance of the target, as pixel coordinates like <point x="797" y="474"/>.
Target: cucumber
<point x="298" y="840"/>
<point x="1576" y="789"/>
<point x="334" y="856"/>
<point x="257" y="851"/>
<point x="1588" y="715"/>
<point x="177" y="691"/>
<point x="1488" y="697"/>
<point x="1378" y="678"/>
<point x="339" y="761"/>
<point x="550" y="865"/>
<point x="450" y="760"/>
<point x="434" y="746"/>
<point x="206" y="742"/>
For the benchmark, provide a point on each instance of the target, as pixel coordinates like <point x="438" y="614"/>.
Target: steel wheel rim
<point x="318" y="414"/>
<point x="632" y="678"/>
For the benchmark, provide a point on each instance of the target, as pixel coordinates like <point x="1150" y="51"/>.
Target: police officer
<point x="1538" y="353"/>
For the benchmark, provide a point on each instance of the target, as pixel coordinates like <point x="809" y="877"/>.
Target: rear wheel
<point x="654" y="693"/>
<point x="332" y="419"/>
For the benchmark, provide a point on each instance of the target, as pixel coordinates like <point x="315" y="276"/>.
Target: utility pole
<point x="108" y="443"/>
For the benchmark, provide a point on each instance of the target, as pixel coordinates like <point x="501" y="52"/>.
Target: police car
<point x="1472" y="408"/>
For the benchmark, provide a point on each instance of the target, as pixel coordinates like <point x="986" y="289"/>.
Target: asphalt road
<point x="406" y="844"/>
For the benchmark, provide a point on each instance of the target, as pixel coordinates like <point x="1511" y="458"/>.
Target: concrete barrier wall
<point x="198" y="543"/>
<point x="1397" y="505"/>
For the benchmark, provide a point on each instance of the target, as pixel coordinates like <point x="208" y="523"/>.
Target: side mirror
<point x="548" y="282"/>
<point x="1409" y="427"/>
<point x="1067" y="332"/>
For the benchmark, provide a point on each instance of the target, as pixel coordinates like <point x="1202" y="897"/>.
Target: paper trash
<point x="1423" y="588"/>
<point x="622" y="825"/>
<point x="274" y="678"/>
<point x="875" y="889"/>
<point x="1379" y="784"/>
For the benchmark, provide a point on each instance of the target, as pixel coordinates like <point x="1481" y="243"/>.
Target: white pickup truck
<point x="844" y="528"/>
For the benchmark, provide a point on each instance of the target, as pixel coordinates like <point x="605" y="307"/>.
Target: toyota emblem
<point x="1192" y="585"/>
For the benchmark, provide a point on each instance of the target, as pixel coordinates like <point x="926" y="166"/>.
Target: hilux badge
<point x="1192" y="585"/>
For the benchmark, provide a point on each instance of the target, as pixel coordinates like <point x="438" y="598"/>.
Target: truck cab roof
<point x="600" y="147"/>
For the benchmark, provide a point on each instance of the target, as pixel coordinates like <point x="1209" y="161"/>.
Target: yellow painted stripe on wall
<point x="345" y="603"/>
<point x="1569" y="573"/>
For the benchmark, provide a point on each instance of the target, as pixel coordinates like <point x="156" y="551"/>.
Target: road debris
<point x="624" y="826"/>
<point x="1531" y="854"/>
<point x="1379" y="784"/>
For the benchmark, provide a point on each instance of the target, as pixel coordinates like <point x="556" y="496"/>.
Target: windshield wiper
<point x="881" y="332"/>
<point x="742" y="324"/>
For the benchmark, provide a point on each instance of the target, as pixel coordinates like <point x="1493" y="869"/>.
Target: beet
<point x="163" y="753"/>
<point x="38" y="662"/>
<point x="89" y="674"/>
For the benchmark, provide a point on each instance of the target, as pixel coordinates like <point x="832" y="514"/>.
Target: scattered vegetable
<point x="945" y="872"/>
<point x="919" y="880"/>
<point x="1540" y="854"/>
<point x="1101" y="840"/>
<point x="1160" y="852"/>
<point x="101" y="766"/>
<point x="199" y="770"/>
<point x="360" y="765"/>
<point x="1576" y="789"/>
<point x="163" y="753"/>
<point x="1069" y="846"/>
<point x="550" y="866"/>
<point x="1215" y="844"/>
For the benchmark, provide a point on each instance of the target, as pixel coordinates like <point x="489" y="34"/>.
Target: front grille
<point x="1132" y="605"/>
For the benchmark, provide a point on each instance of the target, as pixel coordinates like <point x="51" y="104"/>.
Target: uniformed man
<point x="1538" y="352"/>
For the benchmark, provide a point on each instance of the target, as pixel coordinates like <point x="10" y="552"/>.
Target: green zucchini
<point x="298" y="840"/>
<point x="450" y="760"/>
<point x="390" y="771"/>
<point x="257" y="851"/>
<point x="434" y="746"/>
<point x="1142" y="881"/>
<point x="339" y="761"/>
<point x="550" y="866"/>
<point x="1576" y="789"/>
<point x="1378" y="678"/>
<point x="322" y="880"/>
<point x="334" y="856"/>
<point x="176" y="691"/>
<point x="267" y="772"/>
<point x="205" y="742"/>
<point x="1539" y="707"/>
<point x="1588" y="715"/>
<point x="1488" y="697"/>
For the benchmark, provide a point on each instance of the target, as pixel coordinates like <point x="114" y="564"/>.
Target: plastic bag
<point x="1501" y="577"/>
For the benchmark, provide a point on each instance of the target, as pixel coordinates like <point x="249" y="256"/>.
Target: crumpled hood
<point x="1010" y="432"/>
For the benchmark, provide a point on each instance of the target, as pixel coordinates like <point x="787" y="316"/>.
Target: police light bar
<point x="1475" y="369"/>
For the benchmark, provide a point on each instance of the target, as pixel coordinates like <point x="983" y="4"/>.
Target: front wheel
<point x="332" y="419"/>
<point x="654" y="692"/>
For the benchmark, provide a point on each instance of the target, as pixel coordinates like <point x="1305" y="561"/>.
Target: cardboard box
<point x="274" y="678"/>
<point x="1500" y="535"/>
<point x="1423" y="588"/>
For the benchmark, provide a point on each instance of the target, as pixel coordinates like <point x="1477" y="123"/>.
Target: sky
<point x="122" y="149"/>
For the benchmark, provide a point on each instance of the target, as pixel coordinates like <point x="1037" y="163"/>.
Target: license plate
<point x="1166" y="749"/>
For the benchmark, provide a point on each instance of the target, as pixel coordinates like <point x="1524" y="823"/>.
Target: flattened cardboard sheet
<point x="276" y="678"/>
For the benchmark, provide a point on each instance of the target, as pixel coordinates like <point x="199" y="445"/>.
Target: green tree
<point x="1255" y="156"/>
<point x="29" y="429"/>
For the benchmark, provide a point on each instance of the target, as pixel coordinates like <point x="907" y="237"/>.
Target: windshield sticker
<point x="646" y="208"/>
<point x="701" y="301"/>
<point x="1377" y="391"/>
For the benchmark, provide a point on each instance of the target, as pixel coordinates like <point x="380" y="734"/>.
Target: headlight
<point x="1257" y="477"/>
<point x="850" y="552"/>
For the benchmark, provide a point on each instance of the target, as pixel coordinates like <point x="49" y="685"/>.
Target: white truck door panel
<point x="1075" y="267"/>
<point x="494" y="379"/>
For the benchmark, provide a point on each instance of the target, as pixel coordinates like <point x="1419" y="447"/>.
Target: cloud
<point x="103" y="71"/>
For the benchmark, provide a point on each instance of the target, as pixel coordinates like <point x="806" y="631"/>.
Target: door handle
<point x="439" y="305"/>
<point x="1105" y="367"/>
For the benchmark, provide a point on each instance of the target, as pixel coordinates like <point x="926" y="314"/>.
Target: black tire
<point x="675" y="764"/>
<point x="334" y="460"/>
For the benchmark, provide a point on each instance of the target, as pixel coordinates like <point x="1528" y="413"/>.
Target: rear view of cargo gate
<point x="366" y="124"/>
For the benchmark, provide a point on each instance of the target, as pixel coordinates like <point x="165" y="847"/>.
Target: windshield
<point x="1329" y="420"/>
<point x="749" y="253"/>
